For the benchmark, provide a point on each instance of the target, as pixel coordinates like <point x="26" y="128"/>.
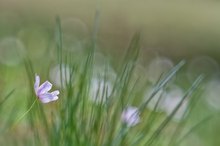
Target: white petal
<point x="55" y="93"/>
<point x="47" y="97"/>
<point x="45" y="100"/>
<point x="55" y="98"/>
<point x="37" y="83"/>
<point x="44" y="88"/>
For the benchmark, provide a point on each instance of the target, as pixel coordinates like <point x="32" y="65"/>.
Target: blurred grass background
<point x="175" y="29"/>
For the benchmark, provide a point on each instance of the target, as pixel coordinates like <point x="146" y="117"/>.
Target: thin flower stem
<point x="24" y="114"/>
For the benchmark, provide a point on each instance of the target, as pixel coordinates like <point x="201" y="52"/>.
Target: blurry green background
<point x="177" y="29"/>
<point x="174" y="29"/>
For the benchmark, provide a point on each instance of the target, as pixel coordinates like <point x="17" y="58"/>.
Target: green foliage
<point x="76" y="120"/>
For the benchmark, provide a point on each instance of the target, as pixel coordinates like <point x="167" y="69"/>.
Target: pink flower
<point x="130" y="116"/>
<point x="42" y="91"/>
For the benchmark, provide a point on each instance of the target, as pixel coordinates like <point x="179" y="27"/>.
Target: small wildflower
<point x="42" y="91"/>
<point x="130" y="116"/>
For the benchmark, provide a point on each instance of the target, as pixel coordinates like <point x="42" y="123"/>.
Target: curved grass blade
<point x="158" y="131"/>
